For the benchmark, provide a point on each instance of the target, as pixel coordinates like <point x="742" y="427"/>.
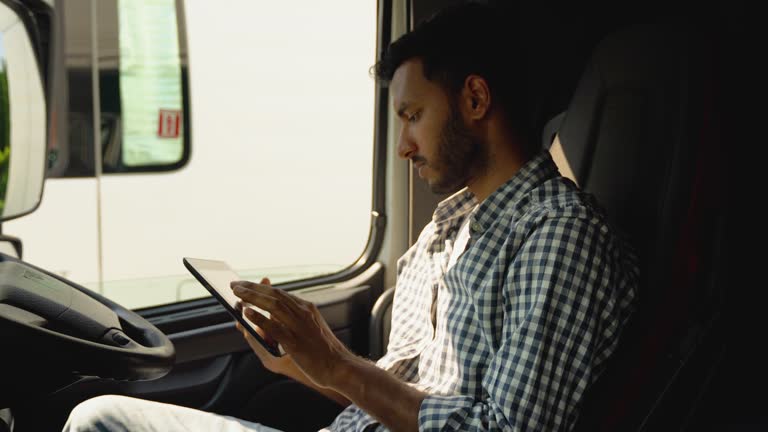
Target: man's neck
<point x="502" y="167"/>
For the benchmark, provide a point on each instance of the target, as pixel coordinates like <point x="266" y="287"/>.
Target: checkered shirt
<point x="512" y="335"/>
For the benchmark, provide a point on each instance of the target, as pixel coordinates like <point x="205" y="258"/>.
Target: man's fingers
<point x="256" y="346"/>
<point x="280" y="305"/>
<point x="254" y="296"/>
<point x="248" y="290"/>
<point x="266" y="288"/>
<point x="270" y="328"/>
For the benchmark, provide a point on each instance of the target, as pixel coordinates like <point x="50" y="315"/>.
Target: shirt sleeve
<point x="567" y="293"/>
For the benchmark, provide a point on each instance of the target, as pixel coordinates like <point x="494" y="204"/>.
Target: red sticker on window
<point x="169" y="123"/>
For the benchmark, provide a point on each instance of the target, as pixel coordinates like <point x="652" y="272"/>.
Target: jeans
<point x="121" y="413"/>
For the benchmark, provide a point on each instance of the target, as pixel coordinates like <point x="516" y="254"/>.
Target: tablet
<point x="216" y="277"/>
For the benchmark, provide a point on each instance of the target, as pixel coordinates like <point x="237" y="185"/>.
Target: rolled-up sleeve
<point x="567" y="293"/>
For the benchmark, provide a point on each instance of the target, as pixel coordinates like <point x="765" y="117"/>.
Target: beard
<point x="461" y="156"/>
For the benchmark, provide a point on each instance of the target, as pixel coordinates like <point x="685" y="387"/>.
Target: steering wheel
<point x="64" y="328"/>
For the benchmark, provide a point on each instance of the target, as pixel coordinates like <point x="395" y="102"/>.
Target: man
<point x="511" y="300"/>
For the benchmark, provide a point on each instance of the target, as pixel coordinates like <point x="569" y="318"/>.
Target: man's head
<point x="452" y="80"/>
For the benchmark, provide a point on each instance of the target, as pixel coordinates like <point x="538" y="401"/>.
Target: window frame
<point x="94" y="81"/>
<point x="186" y="153"/>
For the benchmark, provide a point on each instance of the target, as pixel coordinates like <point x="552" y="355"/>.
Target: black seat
<point x="640" y="134"/>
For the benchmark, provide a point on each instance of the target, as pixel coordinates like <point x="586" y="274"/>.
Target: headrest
<point x="625" y="133"/>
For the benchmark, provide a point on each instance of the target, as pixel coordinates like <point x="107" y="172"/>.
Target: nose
<point x="405" y="145"/>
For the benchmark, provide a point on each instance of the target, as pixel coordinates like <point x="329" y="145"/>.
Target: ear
<point x="475" y="97"/>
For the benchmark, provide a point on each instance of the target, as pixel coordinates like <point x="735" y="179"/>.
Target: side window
<point x="280" y="179"/>
<point x="142" y="81"/>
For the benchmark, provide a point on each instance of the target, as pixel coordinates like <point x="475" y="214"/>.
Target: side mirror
<point x="23" y="112"/>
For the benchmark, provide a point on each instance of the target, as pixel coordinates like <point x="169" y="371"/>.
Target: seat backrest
<point x="639" y="135"/>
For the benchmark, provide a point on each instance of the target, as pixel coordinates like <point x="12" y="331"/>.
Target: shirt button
<point x="475" y="227"/>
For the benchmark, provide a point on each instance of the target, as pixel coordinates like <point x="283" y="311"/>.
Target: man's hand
<point x="324" y="361"/>
<point x="296" y="325"/>
<point x="280" y="365"/>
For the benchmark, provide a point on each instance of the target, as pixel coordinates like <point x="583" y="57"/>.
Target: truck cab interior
<point x="639" y="104"/>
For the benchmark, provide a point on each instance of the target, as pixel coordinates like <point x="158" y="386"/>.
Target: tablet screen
<point x="216" y="277"/>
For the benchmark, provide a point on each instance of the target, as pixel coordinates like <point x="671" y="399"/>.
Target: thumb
<point x="266" y="281"/>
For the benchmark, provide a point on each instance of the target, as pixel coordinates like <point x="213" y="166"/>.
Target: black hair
<point x="463" y="39"/>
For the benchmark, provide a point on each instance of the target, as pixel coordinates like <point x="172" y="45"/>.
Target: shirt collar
<point x="528" y="177"/>
<point x="454" y="207"/>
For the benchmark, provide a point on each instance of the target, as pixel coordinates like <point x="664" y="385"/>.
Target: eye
<point x="414" y="117"/>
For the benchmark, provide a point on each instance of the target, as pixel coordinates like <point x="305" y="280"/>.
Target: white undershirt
<point x="460" y="244"/>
